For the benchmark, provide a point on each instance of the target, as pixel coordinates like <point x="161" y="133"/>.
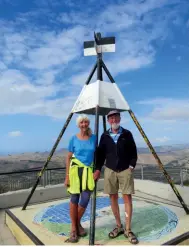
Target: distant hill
<point x="164" y="149"/>
<point x="62" y="150"/>
<point x="143" y="150"/>
<point x="177" y="155"/>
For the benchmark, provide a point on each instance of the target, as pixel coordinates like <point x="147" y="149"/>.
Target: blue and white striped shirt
<point x="115" y="136"/>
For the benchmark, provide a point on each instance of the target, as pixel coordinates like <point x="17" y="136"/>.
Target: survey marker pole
<point x="93" y="196"/>
<point x="103" y="117"/>
<point x="170" y="181"/>
<point x="55" y="145"/>
<point x="99" y="69"/>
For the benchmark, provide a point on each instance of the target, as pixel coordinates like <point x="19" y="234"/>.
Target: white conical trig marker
<point x="106" y="95"/>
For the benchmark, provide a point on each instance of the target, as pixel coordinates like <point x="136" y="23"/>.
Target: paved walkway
<point x="6" y="237"/>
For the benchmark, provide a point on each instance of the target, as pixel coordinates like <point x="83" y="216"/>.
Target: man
<point x="118" y="148"/>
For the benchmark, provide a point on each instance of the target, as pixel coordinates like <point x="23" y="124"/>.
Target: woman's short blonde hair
<point x="82" y="117"/>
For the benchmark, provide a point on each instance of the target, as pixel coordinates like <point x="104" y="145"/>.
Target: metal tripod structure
<point x="99" y="65"/>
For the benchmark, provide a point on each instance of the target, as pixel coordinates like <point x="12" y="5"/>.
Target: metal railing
<point x="12" y="181"/>
<point x="17" y="180"/>
<point x="180" y="176"/>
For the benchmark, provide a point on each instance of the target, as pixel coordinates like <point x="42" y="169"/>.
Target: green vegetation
<point x="186" y="183"/>
<point x="2" y="189"/>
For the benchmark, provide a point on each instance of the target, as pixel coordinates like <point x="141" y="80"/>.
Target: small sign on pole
<point x="107" y="44"/>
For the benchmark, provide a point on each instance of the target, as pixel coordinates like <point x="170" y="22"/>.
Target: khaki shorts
<point x="113" y="181"/>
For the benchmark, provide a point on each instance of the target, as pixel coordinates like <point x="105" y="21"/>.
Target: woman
<point x="79" y="175"/>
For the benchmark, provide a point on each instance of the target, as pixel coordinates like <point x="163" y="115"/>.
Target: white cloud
<point x="74" y="17"/>
<point x="46" y="78"/>
<point x="39" y="49"/>
<point x="15" y="44"/>
<point x="134" y="36"/>
<point x="178" y="58"/>
<point x="19" y="95"/>
<point x="15" y="133"/>
<point x="129" y="63"/>
<point x="58" y="49"/>
<point x="58" y="108"/>
<point x="162" y="139"/>
<point x="79" y="79"/>
<point x="168" y="109"/>
<point x="125" y="83"/>
<point x="125" y="119"/>
<point x="171" y="113"/>
<point x="2" y="66"/>
<point x="155" y="101"/>
<point x="41" y="58"/>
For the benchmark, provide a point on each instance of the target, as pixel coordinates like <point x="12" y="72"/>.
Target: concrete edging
<point x="41" y="194"/>
<point x="54" y="192"/>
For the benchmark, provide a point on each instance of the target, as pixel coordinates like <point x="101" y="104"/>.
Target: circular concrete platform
<point x="150" y="221"/>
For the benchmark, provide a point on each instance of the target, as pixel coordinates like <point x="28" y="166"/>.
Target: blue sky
<point x="42" y="67"/>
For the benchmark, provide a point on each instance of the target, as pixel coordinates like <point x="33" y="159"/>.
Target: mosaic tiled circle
<point x="149" y="221"/>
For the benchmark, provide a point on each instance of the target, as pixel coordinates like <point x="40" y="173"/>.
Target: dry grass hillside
<point x="175" y="157"/>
